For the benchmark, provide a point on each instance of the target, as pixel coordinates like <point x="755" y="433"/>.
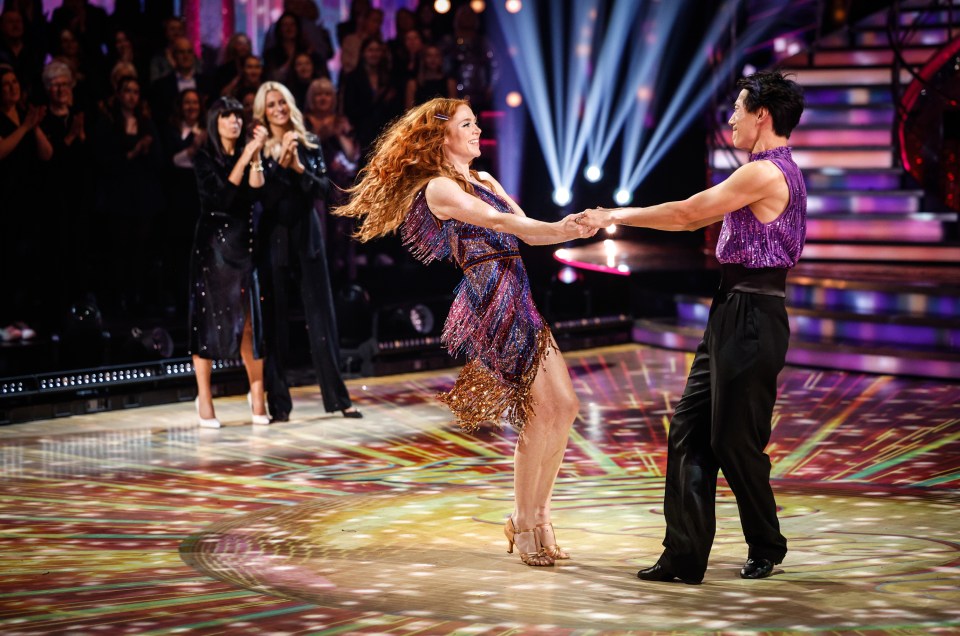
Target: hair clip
<point x="442" y="117"/>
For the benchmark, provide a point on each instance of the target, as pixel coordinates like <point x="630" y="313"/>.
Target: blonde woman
<point x="419" y="181"/>
<point x="292" y="245"/>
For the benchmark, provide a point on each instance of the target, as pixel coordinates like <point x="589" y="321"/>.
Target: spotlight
<point x="568" y="275"/>
<point x="514" y="99"/>
<point x="421" y="318"/>
<point x="611" y="229"/>
<point x="622" y="196"/>
<point x="478" y="6"/>
<point x="513" y="6"/>
<point x="562" y="196"/>
<point x="441" y="6"/>
<point x="593" y="173"/>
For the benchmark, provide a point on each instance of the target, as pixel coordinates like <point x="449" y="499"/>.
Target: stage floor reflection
<point x="137" y="522"/>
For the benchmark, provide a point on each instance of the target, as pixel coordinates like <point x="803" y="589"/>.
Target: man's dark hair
<point x="782" y="97"/>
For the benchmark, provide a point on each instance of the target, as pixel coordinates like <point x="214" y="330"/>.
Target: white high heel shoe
<point x="206" y="422"/>
<point x="262" y="420"/>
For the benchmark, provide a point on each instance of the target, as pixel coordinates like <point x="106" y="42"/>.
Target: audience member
<point x="351" y="49"/>
<point x="232" y="56"/>
<point x="293" y="254"/>
<point x="366" y="96"/>
<point x="183" y="136"/>
<point x="430" y="80"/>
<point x="290" y="42"/>
<point x="224" y="293"/>
<point x="185" y="75"/>
<point x="163" y="62"/>
<point x="24" y="57"/>
<point x="471" y="59"/>
<point x="358" y="9"/>
<point x="66" y="195"/>
<point x="129" y="197"/>
<point x="23" y="146"/>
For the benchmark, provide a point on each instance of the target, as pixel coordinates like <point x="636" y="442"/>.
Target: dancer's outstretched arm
<point x="752" y="183"/>
<point x="448" y="201"/>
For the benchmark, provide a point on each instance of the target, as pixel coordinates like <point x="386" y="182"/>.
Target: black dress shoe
<point x="352" y="413"/>
<point x="279" y="416"/>
<point x="756" y="569"/>
<point x="659" y="573"/>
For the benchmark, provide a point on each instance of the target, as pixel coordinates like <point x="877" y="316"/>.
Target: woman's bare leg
<point x="254" y="367"/>
<point x="203" y="369"/>
<point x="540" y="450"/>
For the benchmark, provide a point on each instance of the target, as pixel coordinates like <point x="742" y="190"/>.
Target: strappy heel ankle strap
<point x="553" y="550"/>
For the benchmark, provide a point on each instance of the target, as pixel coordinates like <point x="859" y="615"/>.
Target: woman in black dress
<point x="224" y="291"/>
<point x="293" y="249"/>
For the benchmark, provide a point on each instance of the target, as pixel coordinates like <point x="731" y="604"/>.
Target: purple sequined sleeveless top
<point x="746" y="241"/>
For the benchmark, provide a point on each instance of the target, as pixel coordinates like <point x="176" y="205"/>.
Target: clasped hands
<point x="593" y="218"/>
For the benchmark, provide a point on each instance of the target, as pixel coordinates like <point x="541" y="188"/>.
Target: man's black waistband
<point x="770" y="281"/>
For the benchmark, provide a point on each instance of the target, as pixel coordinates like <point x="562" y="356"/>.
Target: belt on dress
<point x="494" y="256"/>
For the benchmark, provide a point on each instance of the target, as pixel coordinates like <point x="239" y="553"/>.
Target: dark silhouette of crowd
<point x="102" y="114"/>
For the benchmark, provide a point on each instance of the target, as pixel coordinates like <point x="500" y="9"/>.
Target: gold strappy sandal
<point x="553" y="550"/>
<point x="533" y="559"/>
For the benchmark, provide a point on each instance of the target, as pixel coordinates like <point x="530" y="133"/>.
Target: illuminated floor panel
<point x="137" y="522"/>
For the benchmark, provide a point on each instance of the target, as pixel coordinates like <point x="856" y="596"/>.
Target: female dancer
<point x="419" y="180"/>
<point x="293" y="245"/>
<point x="224" y="291"/>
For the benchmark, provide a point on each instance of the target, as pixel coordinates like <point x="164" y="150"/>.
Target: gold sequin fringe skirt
<point x="479" y="395"/>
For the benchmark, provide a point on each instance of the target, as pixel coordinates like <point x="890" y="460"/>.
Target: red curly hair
<point x="405" y="158"/>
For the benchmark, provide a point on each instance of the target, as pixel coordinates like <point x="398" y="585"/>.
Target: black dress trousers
<point x="722" y="422"/>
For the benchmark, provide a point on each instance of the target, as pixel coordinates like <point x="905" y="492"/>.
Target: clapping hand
<point x="34" y="116"/>
<point x="289" y="157"/>
<point x="257" y="138"/>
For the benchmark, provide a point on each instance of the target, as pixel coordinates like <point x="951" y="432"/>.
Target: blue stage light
<point x="562" y="196"/>
<point x="622" y="196"/>
<point x="593" y="173"/>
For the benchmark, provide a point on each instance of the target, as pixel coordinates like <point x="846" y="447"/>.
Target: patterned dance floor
<point x="138" y="522"/>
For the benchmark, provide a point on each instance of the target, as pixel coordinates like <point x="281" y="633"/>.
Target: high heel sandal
<point x="257" y="419"/>
<point x="554" y="551"/>
<point x="534" y="559"/>
<point x="206" y="422"/>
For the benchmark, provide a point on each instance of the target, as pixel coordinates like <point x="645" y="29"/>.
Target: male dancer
<point x="722" y="421"/>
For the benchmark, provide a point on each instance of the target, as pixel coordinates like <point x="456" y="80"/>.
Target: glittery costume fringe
<point x="480" y="396"/>
<point x="423" y="234"/>
<point x="492" y="322"/>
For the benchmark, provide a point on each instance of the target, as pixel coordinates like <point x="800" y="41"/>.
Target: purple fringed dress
<point x="493" y="321"/>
